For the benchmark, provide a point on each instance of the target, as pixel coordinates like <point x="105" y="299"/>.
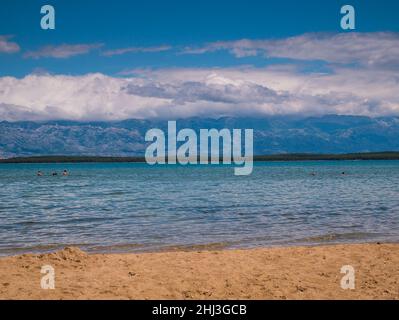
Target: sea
<point x="136" y="207"/>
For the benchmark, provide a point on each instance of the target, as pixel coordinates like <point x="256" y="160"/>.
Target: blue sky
<point x="113" y="60"/>
<point x="177" y="23"/>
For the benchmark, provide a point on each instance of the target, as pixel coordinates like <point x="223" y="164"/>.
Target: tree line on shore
<point x="273" y="157"/>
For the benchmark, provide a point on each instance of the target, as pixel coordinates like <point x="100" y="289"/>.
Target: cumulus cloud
<point x="62" y="51"/>
<point x="109" y="53"/>
<point x="207" y="91"/>
<point x="211" y="92"/>
<point x="7" y="46"/>
<point x="367" y="49"/>
<point x="21" y="113"/>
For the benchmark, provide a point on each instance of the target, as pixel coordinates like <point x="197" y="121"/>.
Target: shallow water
<point x="129" y="207"/>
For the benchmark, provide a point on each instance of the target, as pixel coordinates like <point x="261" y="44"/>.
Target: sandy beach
<point x="264" y="273"/>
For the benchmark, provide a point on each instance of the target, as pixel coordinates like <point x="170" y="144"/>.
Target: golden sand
<point x="265" y="273"/>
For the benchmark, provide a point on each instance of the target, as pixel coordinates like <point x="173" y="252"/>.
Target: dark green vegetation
<point x="70" y="159"/>
<point x="347" y="156"/>
<point x="276" y="157"/>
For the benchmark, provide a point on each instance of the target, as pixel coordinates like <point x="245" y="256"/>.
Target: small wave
<point x="40" y="248"/>
<point x="330" y="237"/>
<point x="123" y="247"/>
<point x="198" y="247"/>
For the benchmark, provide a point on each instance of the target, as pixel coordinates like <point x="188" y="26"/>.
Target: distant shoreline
<point x="276" y="157"/>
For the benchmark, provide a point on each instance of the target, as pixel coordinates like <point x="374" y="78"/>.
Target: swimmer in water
<point x="39" y="173"/>
<point x="65" y="173"/>
<point x="54" y="174"/>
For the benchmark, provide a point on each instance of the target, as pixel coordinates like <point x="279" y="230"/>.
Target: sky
<point x="113" y="60"/>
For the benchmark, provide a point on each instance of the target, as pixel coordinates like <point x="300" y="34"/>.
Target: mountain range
<point x="272" y="135"/>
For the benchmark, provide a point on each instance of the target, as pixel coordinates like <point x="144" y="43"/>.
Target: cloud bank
<point x="176" y="93"/>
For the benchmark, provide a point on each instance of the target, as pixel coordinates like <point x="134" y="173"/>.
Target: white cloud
<point x="62" y="51"/>
<point x="363" y="81"/>
<point x="367" y="49"/>
<point x="109" y="53"/>
<point x="182" y="92"/>
<point x="7" y="46"/>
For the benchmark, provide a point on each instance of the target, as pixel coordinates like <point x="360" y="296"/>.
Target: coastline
<point x="42" y="159"/>
<point x="296" y="272"/>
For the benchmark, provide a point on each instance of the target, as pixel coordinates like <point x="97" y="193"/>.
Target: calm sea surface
<point x="125" y="207"/>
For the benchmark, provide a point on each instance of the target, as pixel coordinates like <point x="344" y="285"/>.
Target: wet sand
<point x="264" y="273"/>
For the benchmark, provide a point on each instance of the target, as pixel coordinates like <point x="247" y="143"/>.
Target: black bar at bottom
<point x="207" y="309"/>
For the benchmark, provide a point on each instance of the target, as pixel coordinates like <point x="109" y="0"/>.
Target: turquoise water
<point x="127" y="207"/>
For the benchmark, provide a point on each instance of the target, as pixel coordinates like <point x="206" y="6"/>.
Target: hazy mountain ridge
<point x="326" y="134"/>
